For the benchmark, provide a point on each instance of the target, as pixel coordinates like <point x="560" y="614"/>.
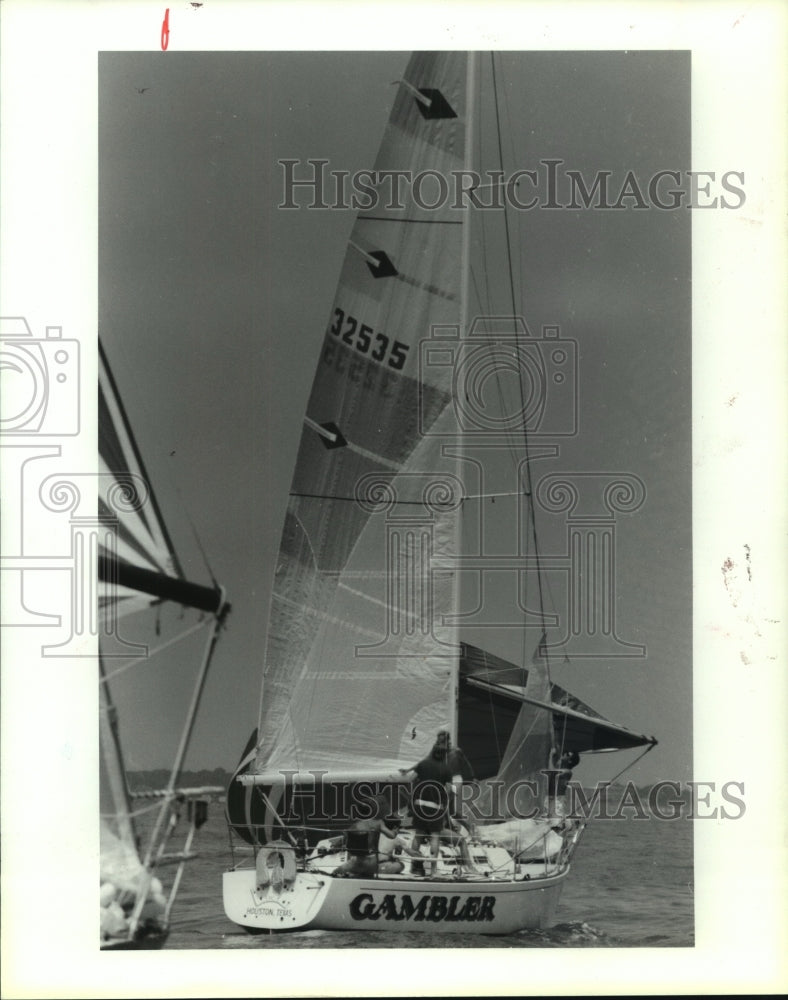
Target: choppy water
<point x="630" y="886"/>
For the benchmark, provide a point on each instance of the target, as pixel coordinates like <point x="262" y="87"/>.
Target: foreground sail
<point x="138" y="568"/>
<point x="359" y="669"/>
<point x="334" y="695"/>
<point x="364" y="663"/>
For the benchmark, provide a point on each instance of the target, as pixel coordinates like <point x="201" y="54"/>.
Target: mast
<point x="470" y="84"/>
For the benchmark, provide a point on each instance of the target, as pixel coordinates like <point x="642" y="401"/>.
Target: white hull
<point x="500" y="897"/>
<point x="444" y="906"/>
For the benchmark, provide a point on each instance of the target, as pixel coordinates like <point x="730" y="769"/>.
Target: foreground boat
<point x="138" y="570"/>
<point x="364" y="662"/>
<point x="511" y="890"/>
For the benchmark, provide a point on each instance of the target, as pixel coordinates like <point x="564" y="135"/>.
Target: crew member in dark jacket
<point x="436" y="783"/>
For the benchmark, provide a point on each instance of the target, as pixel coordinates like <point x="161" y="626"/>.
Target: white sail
<point x="359" y="666"/>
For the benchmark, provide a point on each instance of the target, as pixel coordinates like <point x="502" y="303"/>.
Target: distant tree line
<point x="146" y="781"/>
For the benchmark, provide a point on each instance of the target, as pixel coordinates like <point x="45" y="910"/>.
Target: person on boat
<point x="362" y="841"/>
<point x="457" y="835"/>
<point x="389" y="841"/>
<point x="558" y="778"/>
<point x="437" y="779"/>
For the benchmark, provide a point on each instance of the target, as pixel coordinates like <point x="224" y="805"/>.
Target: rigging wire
<point x="519" y="244"/>
<point x="631" y="763"/>
<point x="519" y="216"/>
<point x="485" y="301"/>
<point x="185" y="510"/>
<point x="157" y="649"/>
<point x="525" y="434"/>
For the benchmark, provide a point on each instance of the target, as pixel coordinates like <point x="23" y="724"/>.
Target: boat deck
<point x="488" y="861"/>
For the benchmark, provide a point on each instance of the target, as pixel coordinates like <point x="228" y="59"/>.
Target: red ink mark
<point x="165" y="30"/>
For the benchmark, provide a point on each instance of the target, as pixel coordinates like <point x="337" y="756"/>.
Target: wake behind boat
<point x="414" y="403"/>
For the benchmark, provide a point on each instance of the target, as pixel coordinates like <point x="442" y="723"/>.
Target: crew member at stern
<point x="362" y="841"/>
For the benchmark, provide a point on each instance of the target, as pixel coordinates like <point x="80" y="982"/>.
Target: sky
<point x="212" y="305"/>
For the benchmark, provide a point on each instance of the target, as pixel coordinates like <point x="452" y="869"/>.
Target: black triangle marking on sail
<point x="439" y="107"/>
<point x="336" y="440"/>
<point x="385" y="266"/>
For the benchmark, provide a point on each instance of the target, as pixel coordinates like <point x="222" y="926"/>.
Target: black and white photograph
<point x="469" y="528"/>
<point x="405" y="584"/>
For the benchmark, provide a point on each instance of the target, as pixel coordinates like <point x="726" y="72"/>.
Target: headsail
<point x="359" y="667"/>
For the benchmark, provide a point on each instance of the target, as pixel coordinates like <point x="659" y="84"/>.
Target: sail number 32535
<point x="366" y="340"/>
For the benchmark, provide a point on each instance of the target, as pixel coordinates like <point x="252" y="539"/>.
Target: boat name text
<point x="431" y="908"/>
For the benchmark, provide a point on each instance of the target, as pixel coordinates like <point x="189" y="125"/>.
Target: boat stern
<point x="270" y="907"/>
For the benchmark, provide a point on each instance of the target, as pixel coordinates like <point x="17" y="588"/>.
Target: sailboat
<point x="138" y="570"/>
<point x="365" y="660"/>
